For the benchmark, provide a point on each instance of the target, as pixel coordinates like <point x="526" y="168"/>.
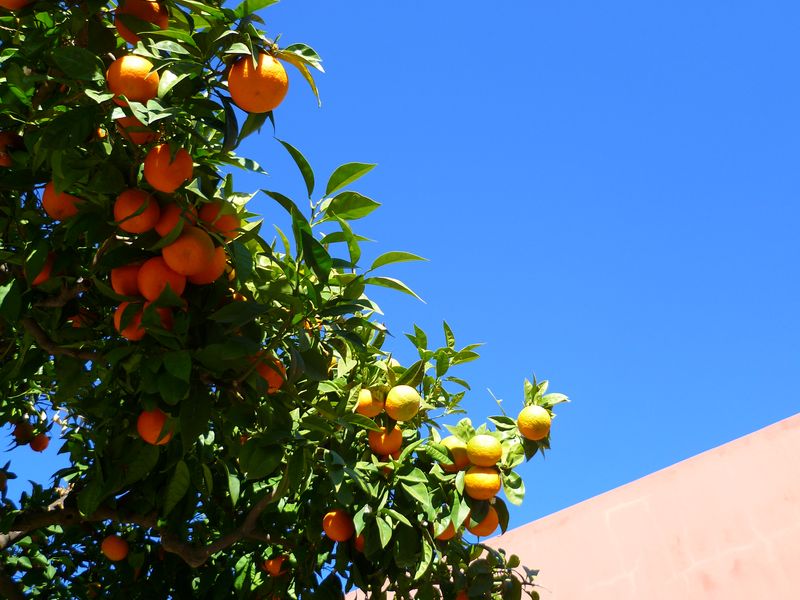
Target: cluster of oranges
<point x="24" y="434"/>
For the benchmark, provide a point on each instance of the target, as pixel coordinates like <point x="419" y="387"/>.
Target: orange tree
<point x="233" y="423"/>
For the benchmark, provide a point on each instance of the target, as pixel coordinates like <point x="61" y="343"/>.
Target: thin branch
<point x="65" y="295"/>
<point x="49" y="345"/>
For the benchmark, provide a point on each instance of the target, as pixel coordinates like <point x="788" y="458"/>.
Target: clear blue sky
<point x="608" y="196"/>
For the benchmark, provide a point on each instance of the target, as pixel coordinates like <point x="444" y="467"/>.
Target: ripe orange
<point x="212" y="270"/>
<point x="40" y="442"/>
<point x="484" y="450"/>
<point x="115" y="548"/>
<point x="124" y="279"/>
<point x="172" y="214"/>
<point x="81" y="319"/>
<point x="133" y="130"/>
<point x="220" y="218"/>
<point x="14" y="4"/>
<point x="145" y="10"/>
<point x="134" y="77"/>
<point x="165" y="172"/>
<point x="23" y="432"/>
<point x="155" y="275"/>
<point x="47" y="269"/>
<point x="358" y="542"/>
<point x="258" y="89"/>
<point x="462" y="595"/>
<point x="59" y="205"/>
<point x="7" y="140"/>
<point x="383" y="442"/>
<point x="533" y="422"/>
<point x="165" y="315"/>
<point x="272" y="371"/>
<point x="150" y="424"/>
<point x="482" y="483"/>
<point x="458" y="450"/>
<point x="369" y="404"/>
<point x="338" y="525"/>
<point x="448" y="533"/>
<point x="402" y="403"/>
<point x="136" y="211"/>
<point x="273" y="566"/>
<point x="190" y="253"/>
<point x="133" y="331"/>
<point x="487" y="526"/>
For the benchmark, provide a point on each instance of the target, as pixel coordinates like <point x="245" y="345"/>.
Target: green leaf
<point x="307" y="54"/>
<point x="302" y="164"/>
<point x="178" y="364"/>
<point x="252" y="123"/>
<point x="89" y="497"/>
<point x="438" y="452"/>
<point x="77" y="63"/>
<point x="233" y="486"/>
<point x="11" y="300"/>
<point x="394" y="257"/>
<point x="141" y="459"/>
<point x="347" y="174"/>
<point x="514" y="487"/>
<point x="194" y="416"/>
<point x="237" y="314"/>
<point x="258" y="460"/>
<point x="231" y="133"/>
<point x="300" y="64"/>
<point x="427" y="559"/>
<point x="419" y="492"/>
<point x="450" y="339"/>
<point x="413" y="375"/>
<point x="248" y="7"/>
<point x="177" y="487"/>
<point x="393" y="284"/>
<point x="348" y="206"/>
<point x="384" y="531"/>
<point x="359" y="420"/>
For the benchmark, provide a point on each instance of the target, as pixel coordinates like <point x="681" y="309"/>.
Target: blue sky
<point x="606" y="192"/>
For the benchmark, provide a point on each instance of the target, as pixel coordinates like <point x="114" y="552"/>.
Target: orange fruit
<point x="8" y="140"/>
<point x="155" y="275"/>
<point x="258" y="89"/>
<point x="114" y="547"/>
<point x="338" y="525"/>
<point x="59" y="205"/>
<point x="402" y="403"/>
<point x="14" y="4"/>
<point x="133" y="130"/>
<point x="359" y="541"/>
<point x="134" y="77"/>
<point x="145" y="10"/>
<point x="487" y="526"/>
<point x="40" y="442"/>
<point x="458" y="451"/>
<point x="190" y="253"/>
<point x="171" y="215"/>
<point x="81" y="319"/>
<point x="369" y="403"/>
<point x="136" y="211"/>
<point x="482" y="483"/>
<point x="124" y="279"/>
<point x="150" y="424"/>
<point x="448" y="533"/>
<point x="165" y="172"/>
<point x="133" y="331"/>
<point x="23" y="432"/>
<point x="165" y="315"/>
<point x="273" y="566"/>
<point x="226" y="224"/>
<point x="212" y="270"/>
<point x="383" y="442"/>
<point x="533" y="422"/>
<point x="47" y="269"/>
<point x="484" y="450"/>
<point x="272" y="371"/>
<point x="462" y="595"/>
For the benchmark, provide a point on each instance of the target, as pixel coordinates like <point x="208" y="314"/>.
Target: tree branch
<point x="65" y="295"/>
<point x="49" y="345"/>
<point x="8" y="587"/>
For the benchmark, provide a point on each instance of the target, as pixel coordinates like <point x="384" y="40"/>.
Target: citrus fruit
<point x="383" y="442"/>
<point x="166" y="172"/>
<point x="155" y="275"/>
<point x="47" y="269"/>
<point x="114" y="547"/>
<point x="8" y="140"/>
<point x="481" y="483"/>
<point x="487" y="525"/>
<point x="458" y="451"/>
<point x="23" y="432"/>
<point x="40" y="442"/>
<point x="164" y="314"/>
<point x="462" y="595"/>
<point x="359" y="542"/>
<point x="133" y="130"/>
<point x="448" y="533"/>
<point x="136" y="211"/>
<point x="59" y="205"/>
<point x="369" y="404"/>
<point x="212" y="270"/>
<point x="484" y="450"/>
<point x="221" y="218"/>
<point x="533" y="422"/>
<point x="190" y="253"/>
<point x="124" y="280"/>
<point x="272" y="371"/>
<point x="402" y="403"/>
<point x="273" y="566"/>
<point x="338" y="525"/>
<point x="145" y="10"/>
<point x="133" y="331"/>
<point x="14" y="4"/>
<point x="171" y="215"/>
<point x="134" y="77"/>
<point x="260" y="88"/>
<point x="150" y="424"/>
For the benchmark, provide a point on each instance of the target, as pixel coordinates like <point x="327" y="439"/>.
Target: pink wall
<point x="722" y="525"/>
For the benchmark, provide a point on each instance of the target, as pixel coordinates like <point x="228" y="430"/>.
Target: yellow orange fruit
<point x="458" y="451"/>
<point x="114" y="548"/>
<point x="124" y="280"/>
<point x="260" y="88"/>
<point x="59" y="205"/>
<point x="484" y="450"/>
<point x="482" y="483"/>
<point x="133" y="130"/>
<point x="134" y="77"/>
<point x="136" y="211"/>
<point x="272" y="371"/>
<point x="369" y="404"/>
<point x="533" y="422"/>
<point x="171" y="215"/>
<point x="385" y="442"/>
<point x="165" y="172"/>
<point x="150" y="425"/>
<point x="220" y="218"/>
<point x="213" y="270"/>
<point x="144" y="10"/>
<point x="155" y="275"/>
<point x="402" y="403"/>
<point x="487" y="525"/>
<point x="190" y="253"/>
<point x="338" y="525"/>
